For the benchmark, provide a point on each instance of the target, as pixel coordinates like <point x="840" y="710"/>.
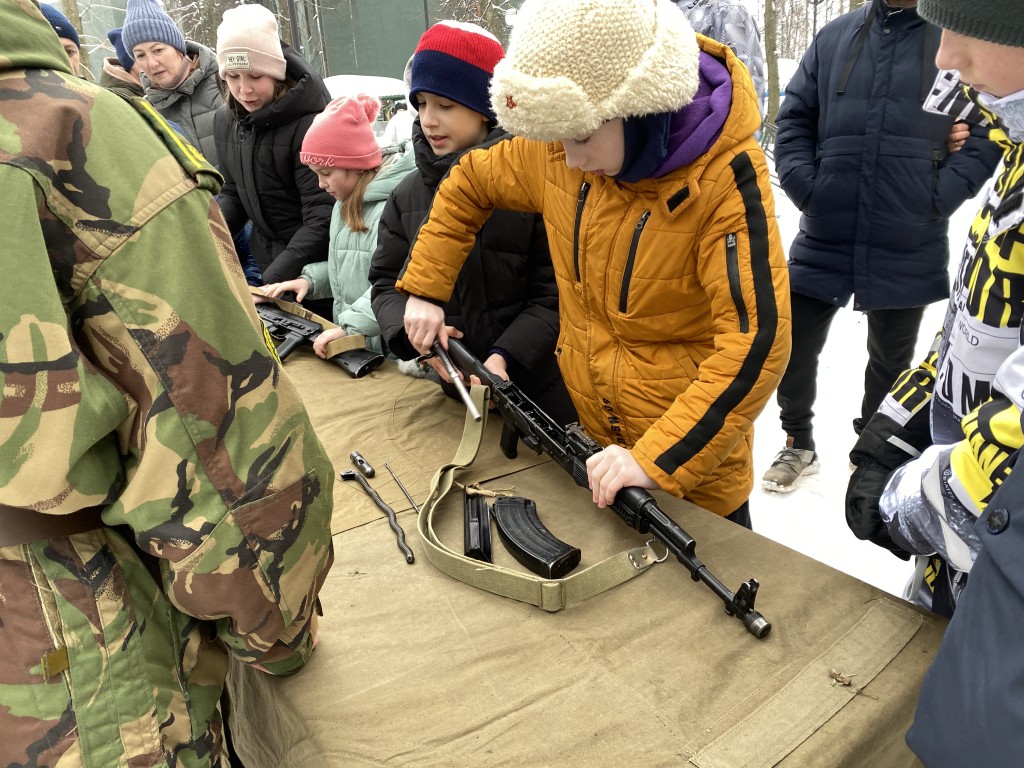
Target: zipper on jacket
<point x="581" y="198"/>
<point x="627" y="273"/>
<point x="732" y="267"/>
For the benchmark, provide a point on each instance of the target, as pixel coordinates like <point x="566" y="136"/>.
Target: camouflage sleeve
<point x="179" y="416"/>
<point x="226" y="480"/>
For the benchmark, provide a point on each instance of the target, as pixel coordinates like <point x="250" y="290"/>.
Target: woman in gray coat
<point x="180" y="76"/>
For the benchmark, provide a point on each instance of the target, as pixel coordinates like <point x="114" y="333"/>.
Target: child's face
<point x="337" y="182"/>
<point x="602" y="153"/>
<point x="449" y="126"/>
<point x="253" y="92"/>
<point x="997" y="70"/>
<point x="161" y="62"/>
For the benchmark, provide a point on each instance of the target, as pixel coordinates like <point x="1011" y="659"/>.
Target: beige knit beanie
<point x="248" y="41"/>
<point x="572" y="65"/>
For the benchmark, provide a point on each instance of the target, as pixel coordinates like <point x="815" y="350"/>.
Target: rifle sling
<point x="549" y="594"/>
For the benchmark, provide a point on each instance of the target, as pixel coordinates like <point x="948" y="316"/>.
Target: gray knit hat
<point x="998" y="21"/>
<point x="145" y="21"/>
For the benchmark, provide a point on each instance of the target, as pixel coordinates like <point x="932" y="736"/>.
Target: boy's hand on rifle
<point x="613" y="469"/>
<point x="424" y="321"/>
<point x="320" y="342"/>
<point x="299" y="286"/>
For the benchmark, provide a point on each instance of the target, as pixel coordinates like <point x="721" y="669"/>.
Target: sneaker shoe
<point x="790" y="465"/>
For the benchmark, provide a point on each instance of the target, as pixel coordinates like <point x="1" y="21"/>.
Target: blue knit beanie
<point x="145" y="21"/>
<point x="123" y="57"/>
<point x="60" y="23"/>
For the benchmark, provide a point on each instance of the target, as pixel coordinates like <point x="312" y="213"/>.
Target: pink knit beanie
<point x="341" y="136"/>
<point x="247" y="41"/>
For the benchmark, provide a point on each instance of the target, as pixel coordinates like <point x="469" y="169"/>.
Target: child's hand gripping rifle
<point x="570" y="448"/>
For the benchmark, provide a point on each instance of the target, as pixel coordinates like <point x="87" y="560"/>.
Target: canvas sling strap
<point x="549" y="594"/>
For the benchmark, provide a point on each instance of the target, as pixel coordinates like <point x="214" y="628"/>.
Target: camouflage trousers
<point x="97" y="668"/>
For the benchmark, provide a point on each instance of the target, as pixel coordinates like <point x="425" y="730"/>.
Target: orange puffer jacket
<point x="673" y="292"/>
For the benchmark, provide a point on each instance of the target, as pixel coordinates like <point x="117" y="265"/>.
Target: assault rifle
<point x="290" y="330"/>
<point x="570" y="448"/>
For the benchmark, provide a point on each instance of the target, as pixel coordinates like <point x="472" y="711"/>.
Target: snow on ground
<point x="811" y="519"/>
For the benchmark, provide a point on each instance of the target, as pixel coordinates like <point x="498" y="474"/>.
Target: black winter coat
<point x="869" y="169"/>
<point x="264" y="181"/>
<point x="505" y="295"/>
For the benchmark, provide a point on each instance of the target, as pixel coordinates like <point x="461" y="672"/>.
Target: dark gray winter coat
<point x="869" y="169"/>
<point x="192" y="105"/>
<point x="971" y="708"/>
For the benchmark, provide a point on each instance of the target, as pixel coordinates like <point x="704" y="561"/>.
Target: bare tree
<point x="489" y="14"/>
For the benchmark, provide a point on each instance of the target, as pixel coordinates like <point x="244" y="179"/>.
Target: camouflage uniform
<point x="134" y="381"/>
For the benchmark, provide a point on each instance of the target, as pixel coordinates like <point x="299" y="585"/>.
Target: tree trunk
<point x="771" y="50"/>
<point x="71" y="11"/>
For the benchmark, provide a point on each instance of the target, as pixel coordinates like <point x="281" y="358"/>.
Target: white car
<point x="388" y="90"/>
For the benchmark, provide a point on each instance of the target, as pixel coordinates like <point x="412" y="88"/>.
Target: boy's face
<point x="991" y="68"/>
<point x="602" y="153"/>
<point x="74" y="55"/>
<point x="449" y="126"/>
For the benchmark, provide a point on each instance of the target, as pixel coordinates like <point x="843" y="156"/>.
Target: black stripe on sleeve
<point x="767" y="323"/>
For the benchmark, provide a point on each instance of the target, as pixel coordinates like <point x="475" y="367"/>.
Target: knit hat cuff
<point x="350" y="162"/>
<point x="975" y="19"/>
<point x="451" y="78"/>
<point x="249" y="60"/>
<point x="139" y="28"/>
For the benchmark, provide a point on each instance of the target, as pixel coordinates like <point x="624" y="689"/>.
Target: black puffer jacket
<point x="868" y="168"/>
<point x="505" y="296"/>
<point x="264" y="181"/>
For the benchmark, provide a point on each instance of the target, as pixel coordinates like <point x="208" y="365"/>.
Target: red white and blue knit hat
<point x="455" y="60"/>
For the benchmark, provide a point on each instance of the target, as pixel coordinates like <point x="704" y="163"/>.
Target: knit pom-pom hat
<point x="60" y="23"/>
<point x="998" y="21"/>
<point x="145" y="21"/>
<point x="248" y="41"/>
<point x="341" y="136"/>
<point x="455" y="60"/>
<point x="575" y="64"/>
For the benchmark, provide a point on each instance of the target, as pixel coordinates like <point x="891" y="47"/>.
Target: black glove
<point x="862" y="494"/>
<point x="884" y="444"/>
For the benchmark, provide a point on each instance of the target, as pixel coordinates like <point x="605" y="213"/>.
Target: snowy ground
<point x="811" y="518"/>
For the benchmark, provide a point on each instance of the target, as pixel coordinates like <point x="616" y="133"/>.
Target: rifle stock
<point x="570" y="447"/>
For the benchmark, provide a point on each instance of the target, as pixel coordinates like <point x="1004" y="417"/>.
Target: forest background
<point x="376" y="37"/>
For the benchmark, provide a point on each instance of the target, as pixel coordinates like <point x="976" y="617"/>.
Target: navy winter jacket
<point x="868" y="168"/>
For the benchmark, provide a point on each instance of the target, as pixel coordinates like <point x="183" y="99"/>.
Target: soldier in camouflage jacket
<point x="164" y="501"/>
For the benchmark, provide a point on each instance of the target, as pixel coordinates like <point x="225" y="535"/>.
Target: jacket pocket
<point x="259" y="566"/>
<point x="581" y="200"/>
<point x="732" y="268"/>
<point x="627" y="272"/>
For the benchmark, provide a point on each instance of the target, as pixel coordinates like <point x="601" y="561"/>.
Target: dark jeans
<point x="892" y="338"/>
<point x="742" y="515"/>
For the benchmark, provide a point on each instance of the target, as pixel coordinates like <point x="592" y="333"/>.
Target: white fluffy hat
<point x="572" y="65"/>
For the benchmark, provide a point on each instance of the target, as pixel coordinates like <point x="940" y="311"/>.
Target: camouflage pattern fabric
<point x="134" y="378"/>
